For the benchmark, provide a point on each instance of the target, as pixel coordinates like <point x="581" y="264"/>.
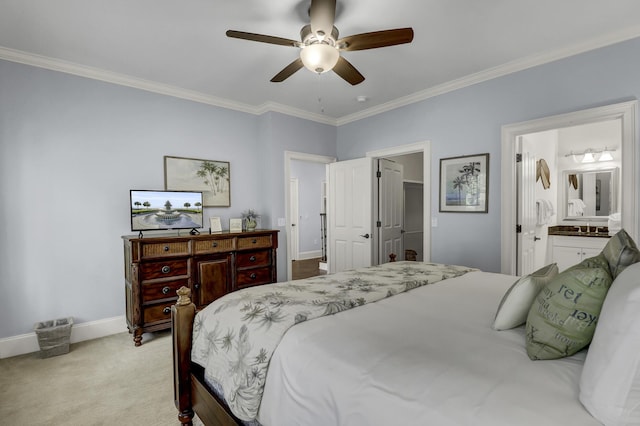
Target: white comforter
<point x="425" y="357"/>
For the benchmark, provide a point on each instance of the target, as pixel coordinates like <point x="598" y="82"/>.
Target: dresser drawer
<point x="162" y="290"/>
<point x="253" y="258"/>
<point x="163" y="269"/>
<point x="255" y="276"/>
<point x="154" y="250"/>
<point x="261" y="241"/>
<point x="214" y="246"/>
<point x="157" y="313"/>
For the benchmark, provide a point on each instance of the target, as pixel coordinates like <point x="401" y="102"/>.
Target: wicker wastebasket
<point x="53" y="336"/>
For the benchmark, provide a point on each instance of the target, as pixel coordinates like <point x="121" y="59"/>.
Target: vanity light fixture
<point x="606" y="155"/>
<point x="588" y="155"/>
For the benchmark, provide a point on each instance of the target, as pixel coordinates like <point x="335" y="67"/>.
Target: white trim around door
<point x="627" y="112"/>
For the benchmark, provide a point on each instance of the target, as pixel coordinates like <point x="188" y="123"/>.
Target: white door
<point x="526" y="208"/>
<point x="390" y="210"/>
<point x="294" y="217"/>
<point x="349" y="220"/>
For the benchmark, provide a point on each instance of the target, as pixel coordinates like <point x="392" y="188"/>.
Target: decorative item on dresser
<point x="211" y="265"/>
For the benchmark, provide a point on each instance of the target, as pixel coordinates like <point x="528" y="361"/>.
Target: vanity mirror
<point x="589" y="195"/>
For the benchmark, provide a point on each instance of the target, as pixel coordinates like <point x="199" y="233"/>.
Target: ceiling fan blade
<point x="322" y="14"/>
<point x="287" y="71"/>
<point x="348" y="72"/>
<point x="376" y="39"/>
<point x="263" y="38"/>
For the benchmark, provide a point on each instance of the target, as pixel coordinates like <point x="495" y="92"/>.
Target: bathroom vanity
<point x="572" y="244"/>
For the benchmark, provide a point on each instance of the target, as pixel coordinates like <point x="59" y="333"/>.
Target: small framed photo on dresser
<point x="214" y="224"/>
<point x="235" y="225"/>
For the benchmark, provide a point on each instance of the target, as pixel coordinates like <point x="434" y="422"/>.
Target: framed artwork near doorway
<point x="464" y="184"/>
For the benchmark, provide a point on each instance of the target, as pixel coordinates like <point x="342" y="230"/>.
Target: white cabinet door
<point x="566" y="257"/>
<point x="568" y="251"/>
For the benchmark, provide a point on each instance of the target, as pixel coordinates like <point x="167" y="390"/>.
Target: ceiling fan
<point x="320" y="46"/>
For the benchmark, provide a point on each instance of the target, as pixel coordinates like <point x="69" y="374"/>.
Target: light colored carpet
<point x="105" y="381"/>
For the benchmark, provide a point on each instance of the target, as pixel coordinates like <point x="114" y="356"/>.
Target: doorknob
<point x="365" y="235"/>
<point x="536" y="238"/>
<point x="293" y="224"/>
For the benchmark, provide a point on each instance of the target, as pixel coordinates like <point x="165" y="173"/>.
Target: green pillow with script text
<point x="563" y="317"/>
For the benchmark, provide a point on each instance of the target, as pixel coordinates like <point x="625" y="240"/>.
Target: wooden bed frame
<point x="190" y="392"/>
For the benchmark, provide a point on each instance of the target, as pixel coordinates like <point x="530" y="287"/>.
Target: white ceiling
<point x="180" y="48"/>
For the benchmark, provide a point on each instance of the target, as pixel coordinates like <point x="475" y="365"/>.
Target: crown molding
<point x="178" y="92"/>
<point x="495" y="72"/>
<point x="295" y="112"/>
<point x="152" y="86"/>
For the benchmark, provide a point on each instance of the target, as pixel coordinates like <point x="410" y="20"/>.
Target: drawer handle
<point x="166" y="310"/>
<point x="215" y="244"/>
<point x="253" y="276"/>
<point x="166" y="289"/>
<point x="254" y="241"/>
<point x="252" y="258"/>
<point x="166" y="269"/>
<point x="196" y="286"/>
<point x="165" y="248"/>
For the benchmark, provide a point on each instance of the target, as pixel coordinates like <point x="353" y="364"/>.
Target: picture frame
<point x="211" y="177"/>
<point x="464" y="184"/>
<point x="235" y="225"/>
<point x="215" y="225"/>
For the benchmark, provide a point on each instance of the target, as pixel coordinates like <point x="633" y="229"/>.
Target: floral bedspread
<point x="235" y="336"/>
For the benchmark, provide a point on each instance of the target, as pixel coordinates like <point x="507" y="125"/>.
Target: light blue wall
<point x="468" y="121"/>
<point x="70" y="150"/>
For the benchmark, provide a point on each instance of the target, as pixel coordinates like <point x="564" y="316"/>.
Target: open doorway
<point x="353" y="239"/>
<point x="416" y="160"/>
<point x="512" y="136"/>
<point x="304" y="204"/>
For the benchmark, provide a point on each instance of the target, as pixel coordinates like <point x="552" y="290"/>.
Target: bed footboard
<point x="182" y="314"/>
<point x="191" y="394"/>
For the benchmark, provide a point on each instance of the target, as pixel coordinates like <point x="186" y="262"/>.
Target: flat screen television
<point x="155" y="210"/>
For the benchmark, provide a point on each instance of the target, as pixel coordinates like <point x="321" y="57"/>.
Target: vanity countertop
<point x="572" y="231"/>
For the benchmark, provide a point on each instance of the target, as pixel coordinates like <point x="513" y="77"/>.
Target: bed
<point x="428" y="354"/>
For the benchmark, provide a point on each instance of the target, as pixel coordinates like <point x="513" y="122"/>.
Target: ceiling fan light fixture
<point x="319" y="57"/>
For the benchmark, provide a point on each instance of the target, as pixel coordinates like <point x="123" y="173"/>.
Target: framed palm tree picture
<point x="464" y="184"/>
<point x="211" y="177"/>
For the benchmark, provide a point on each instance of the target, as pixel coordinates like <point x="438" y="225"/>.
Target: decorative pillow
<point x="563" y="316"/>
<point x="610" y="381"/>
<point x="620" y="252"/>
<point x="514" y="307"/>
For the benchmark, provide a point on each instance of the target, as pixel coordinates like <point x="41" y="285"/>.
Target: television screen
<point x="165" y="210"/>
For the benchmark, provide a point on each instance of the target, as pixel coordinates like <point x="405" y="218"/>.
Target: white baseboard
<point x="304" y="255"/>
<point x="27" y="343"/>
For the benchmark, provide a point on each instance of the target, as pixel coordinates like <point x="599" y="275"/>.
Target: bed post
<point x="182" y="315"/>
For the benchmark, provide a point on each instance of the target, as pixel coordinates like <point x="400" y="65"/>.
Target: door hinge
<point x="379" y="224"/>
<point x="378" y="174"/>
<point x="518" y="158"/>
<point x="518" y="229"/>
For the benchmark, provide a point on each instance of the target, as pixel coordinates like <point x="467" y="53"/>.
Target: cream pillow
<point x="610" y="381"/>
<point x="514" y="307"/>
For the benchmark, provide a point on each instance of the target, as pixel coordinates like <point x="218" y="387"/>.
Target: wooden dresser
<point x="211" y="265"/>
